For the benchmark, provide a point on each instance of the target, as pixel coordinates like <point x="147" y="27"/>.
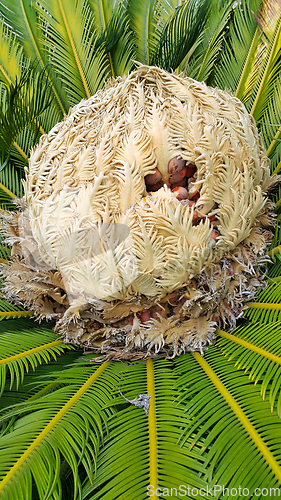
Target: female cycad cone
<point x="142" y="222"/>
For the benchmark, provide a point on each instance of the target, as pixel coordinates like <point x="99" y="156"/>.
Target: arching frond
<point x="228" y="415"/>
<point x="255" y="349"/>
<point x="274" y="273"/>
<point x="268" y="74"/>
<point x="112" y="25"/>
<point x="9" y="311"/>
<point x="71" y="43"/>
<point x="267" y="307"/>
<point x="23" y="348"/>
<point x="36" y="384"/>
<point x="271" y="129"/>
<point x="179" y="38"/>
<point x="66" y="424"/>
<point x="25" y="102"/>
<point x="143" y="450"/>
<point x="10" y="56"/>
<point x="144" y="19"/>
<point x="22" y="17"/>
<point x="10" y="186"/>
<point x="209" y="50"/>
<point x="240" y="48"/>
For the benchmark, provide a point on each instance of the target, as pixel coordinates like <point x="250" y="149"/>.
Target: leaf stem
<point x="274" y="251"/>
<point x="7" y="191"/>
<point x="152" y="427"/>
<point x="30" y="351"/>
<point x="277" y="168"/>
<point x="23" y="154"/>
<point x="18" y="314"/>
<point x="249" y="346"/>
<point x="263" y="305"/>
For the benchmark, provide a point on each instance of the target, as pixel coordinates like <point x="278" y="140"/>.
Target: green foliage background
<point x="66" y="432"/>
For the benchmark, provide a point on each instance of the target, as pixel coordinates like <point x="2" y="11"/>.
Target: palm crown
<point x="66" y="430"/>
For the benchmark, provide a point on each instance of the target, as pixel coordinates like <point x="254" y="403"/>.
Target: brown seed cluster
<point x="144" y="216"/>
<point x="182" y="182"/>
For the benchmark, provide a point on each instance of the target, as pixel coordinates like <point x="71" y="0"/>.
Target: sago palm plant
<point x="72" y="428"/>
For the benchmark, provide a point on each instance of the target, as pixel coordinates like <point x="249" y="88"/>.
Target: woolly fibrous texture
<point x="92" y="249"/>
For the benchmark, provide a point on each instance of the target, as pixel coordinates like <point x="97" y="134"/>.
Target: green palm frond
<point x="67" y="424"/>
<point x="5" y="253"/>
<point x="25" y="102"/>
<point x="25" y="348"/>
<point x="207" y="53"/>
<point x="35" y="384"/>
<point x="243" y="89"/>
<point x="271" y="129"/>
<point x="179" y="38"/>
<point x="239" y="49"/>
<point x="112" y="25"/>
<point x="11" y="55"/>
<point x="107" y="25"/>
<point x="274" y="273"/>
<point x="276" y="157"/>
<point x="267" y="306"/>
<point x="143" y="450"/>
<point x="256" y="350"/>
<point x="22" y="17"/>
<point x="8" y="311"/>
<point x="145" y="18"/>
<point x="268" y="74"/>
<point x="6" y="197"/>
<point x="70" y="38"/>
<point x="10" y="186"/>
<point x="228" y="415"/>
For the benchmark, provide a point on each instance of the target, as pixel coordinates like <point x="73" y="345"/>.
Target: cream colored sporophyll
<point x="142" y="223"/>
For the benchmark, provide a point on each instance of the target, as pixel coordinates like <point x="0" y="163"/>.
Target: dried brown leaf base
<point x="184" y="320"/>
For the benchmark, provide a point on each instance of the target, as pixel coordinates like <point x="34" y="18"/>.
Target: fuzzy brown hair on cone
<point x="144" y="218"/>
